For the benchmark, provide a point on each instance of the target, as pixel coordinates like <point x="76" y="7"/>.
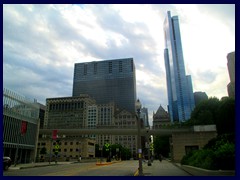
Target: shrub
<point x="225" y="156"/>
<point x="219" y="153"/>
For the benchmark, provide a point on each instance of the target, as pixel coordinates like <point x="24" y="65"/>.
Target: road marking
<point x="136" y="173"/>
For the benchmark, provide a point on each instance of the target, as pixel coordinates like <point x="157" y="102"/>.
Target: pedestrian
<point x="151" y="158"/>
<point x="160" y="158"/>
<point x="80" y="158"/>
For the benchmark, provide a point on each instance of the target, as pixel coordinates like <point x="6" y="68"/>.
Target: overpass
<point x="118" y="131"/>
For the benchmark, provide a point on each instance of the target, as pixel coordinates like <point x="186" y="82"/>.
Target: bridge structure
<point x="115" y="130"/>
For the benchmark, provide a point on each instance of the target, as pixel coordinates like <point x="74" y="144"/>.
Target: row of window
<point x="60" y="143"/>
<point x="110" y="67"/>
<point x="66" y="106"/>
<point x="66" y="150"/>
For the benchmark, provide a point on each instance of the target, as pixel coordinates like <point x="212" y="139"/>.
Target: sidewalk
<point x="42" y="164"/>
<point x="39" y="164"/>
<point x="167" y="168"/>
<point x="163" y="168"/>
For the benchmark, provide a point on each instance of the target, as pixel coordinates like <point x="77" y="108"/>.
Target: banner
<point x="24" y="127"/>
<point x="54" y="134"/>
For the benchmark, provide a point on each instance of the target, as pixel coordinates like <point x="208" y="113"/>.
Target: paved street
<point x="123" y="168"/>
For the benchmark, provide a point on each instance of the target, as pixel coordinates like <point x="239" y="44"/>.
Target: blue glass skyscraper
<point x="107" y="81"/>
<point x="179" y="86"/>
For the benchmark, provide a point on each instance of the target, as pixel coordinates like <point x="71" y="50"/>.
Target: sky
<point x="41" y="43"/>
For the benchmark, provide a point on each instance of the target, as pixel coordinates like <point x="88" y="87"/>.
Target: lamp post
<point x="101" y="149"/>
<point x="148" y="142"/>
<point x="138" y="108"/>
<point x="79" y="151"/>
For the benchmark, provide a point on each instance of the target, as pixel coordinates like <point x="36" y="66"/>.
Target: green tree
<point x="205" y="112"/>
<point x="43" y="150"/>
<point x="161" y="145"/>
<point x="226" y="116"/>
<point x="97" y="151"/>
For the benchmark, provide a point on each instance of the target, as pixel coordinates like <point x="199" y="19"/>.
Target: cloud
<point x="41" y="43"/>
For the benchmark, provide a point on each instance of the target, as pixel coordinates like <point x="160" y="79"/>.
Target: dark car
<point x="6" y="162"/>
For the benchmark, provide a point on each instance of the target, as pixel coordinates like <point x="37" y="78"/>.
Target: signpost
<point x="54" y="137"/>
<point x="23" y="131"/>
<point x="107" y="146"/>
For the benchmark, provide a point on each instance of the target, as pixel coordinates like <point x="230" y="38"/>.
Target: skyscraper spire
<point x="179" y="86"/>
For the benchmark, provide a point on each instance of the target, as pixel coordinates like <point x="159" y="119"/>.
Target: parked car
<point x="6" y="162"/>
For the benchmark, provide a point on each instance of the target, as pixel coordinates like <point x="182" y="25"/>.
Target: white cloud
<point x="43" y="42"/>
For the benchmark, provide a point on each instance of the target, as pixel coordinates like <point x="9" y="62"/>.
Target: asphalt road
<point x="124" y="168"/>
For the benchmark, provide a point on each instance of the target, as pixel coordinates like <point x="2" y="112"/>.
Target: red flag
<point x="54" y="134"/>
<point x="24" y="127"/>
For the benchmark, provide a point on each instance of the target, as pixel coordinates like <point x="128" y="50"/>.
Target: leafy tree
<point x="226" y="116"/>
<point x="205" y="112"/>
<point x="97" y="151"/>
<point x="43" y="150"/>
<point x="161" y="145"/>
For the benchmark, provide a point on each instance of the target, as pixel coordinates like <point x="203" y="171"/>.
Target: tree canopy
<point x="215" y="111"/>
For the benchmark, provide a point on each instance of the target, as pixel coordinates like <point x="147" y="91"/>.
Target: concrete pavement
<point x="40" y="164"/>
<point x="167" y="168"/>
<point x="163" y="168"/>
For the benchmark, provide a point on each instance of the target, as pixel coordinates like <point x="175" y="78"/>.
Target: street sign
<point x="56" y="146"/>
<point x="107" y="145"/>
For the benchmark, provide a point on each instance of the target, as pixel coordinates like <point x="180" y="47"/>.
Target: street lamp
<point x="138" y="108"/>
<point x="101" y="149"/>
<point x="79" y="150"/>
<point x="148" y="146"/>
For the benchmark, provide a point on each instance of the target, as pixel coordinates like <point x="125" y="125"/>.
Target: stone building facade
<point x="183" y="143"/>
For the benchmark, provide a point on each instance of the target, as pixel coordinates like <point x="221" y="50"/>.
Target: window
<point x="110" y="67"/>
<point x="95" y="68"/>
<point x="132" y="65"/>
<point x="188" y="149"/>
<point x="91" y="144"/>
<point x="85" y="69"/>
<point x="120" y="66"/>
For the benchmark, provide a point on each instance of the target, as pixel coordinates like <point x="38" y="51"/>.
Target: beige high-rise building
<point x="69" y="113"/>
<point x="125" y="119"/>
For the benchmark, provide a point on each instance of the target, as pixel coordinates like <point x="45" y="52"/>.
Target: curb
<point x="136" y="173"/>
<point x="106" y="163"/>
<point x="195" y="171"/>
<point x="103" y="164"/>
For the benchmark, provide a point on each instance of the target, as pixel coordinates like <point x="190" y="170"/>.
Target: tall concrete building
<point x="107" y="81"/>
<point x="179" y="86"/>
<point x="68" y="112"/>
<point x="199" y="97"/>
<point x="144" y="116"/>
<point x="231" y="71"/>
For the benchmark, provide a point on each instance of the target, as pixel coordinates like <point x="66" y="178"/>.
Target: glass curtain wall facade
<point x="107" y="81"/>
<point x="17" y="111"/>
<point x="179" y="86"/>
